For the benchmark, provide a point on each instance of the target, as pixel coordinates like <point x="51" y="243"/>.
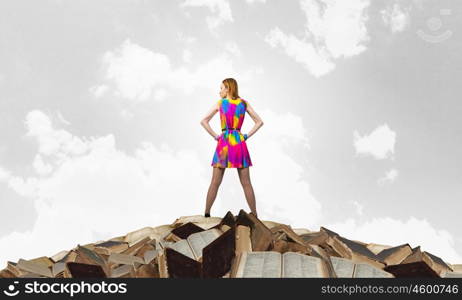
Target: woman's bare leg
<point x="244" y="177"/>
<point x="217" y="177"/>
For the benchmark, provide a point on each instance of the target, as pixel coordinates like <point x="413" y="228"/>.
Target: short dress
<point x="231" y="150"/>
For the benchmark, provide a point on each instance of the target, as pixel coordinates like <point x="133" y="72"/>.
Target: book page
<point x="58" y="268"/>
<point x="449" y="274"/>
<point x="91" y="255"/>
<point x="183" y="247"/>
<point x="363" y="270"/>
<point x="150" y="255"/>
<point x="261" y="264"/>
<point x="200" y="240"/>
<point x="34" y="268"/>
<point x="162" y="244"/>
<point x="243" y="242"/>
<point x="125" y="259"/>
<point x="343" y="267"/>
<point x="297" y="265"/>
<point x="134" y="236"/>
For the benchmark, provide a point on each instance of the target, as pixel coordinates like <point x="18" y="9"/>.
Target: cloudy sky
<point x="101" y="102"/>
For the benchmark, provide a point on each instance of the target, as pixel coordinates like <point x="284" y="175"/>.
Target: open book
<point x="419" y="264"/>
<point x="271" y="264"/>
<point x="215" y="262"/>
<point x="394" y="255"/>
<point x="346" y="268"/>
<point x="192" y="246"/>
<point x="351" y="249"/>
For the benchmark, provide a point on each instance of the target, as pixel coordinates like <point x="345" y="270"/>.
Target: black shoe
<point x="207" y="215"/>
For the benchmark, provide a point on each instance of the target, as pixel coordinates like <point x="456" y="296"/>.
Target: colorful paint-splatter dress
<point x="231" y="151"/>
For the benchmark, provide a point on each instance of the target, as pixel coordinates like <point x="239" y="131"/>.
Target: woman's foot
<point x="207" y="215"/>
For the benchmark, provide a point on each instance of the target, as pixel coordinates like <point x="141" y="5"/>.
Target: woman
<point x="231" y="150"/>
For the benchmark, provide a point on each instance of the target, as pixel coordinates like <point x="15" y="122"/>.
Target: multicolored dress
<point x="231" y="150"/>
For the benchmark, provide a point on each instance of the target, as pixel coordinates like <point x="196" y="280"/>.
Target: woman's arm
<point x="256" y="118"/>
<point x="205" y="121"/>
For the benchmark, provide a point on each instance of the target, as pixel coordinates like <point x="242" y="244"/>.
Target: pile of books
<point x="235" y="246"/>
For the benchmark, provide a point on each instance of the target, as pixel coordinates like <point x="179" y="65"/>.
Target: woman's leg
<point x="217" y="177"/>
<point x="244" y="177"/>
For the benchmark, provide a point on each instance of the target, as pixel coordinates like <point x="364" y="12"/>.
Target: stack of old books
<point x="233" y="247"/>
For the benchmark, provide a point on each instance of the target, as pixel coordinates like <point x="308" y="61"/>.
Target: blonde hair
<point x="231" y="84"/>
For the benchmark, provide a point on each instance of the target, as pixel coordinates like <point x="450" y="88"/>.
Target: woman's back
<point x="232" y="112"/>
<point x="231" y="150"/>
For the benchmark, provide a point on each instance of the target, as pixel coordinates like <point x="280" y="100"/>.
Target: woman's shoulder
<point x="218" y="104"/>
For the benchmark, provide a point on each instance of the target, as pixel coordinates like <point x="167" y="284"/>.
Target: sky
<point x="101" y="103"/>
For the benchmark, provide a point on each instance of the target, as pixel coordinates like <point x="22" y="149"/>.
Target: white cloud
<point x="160" y="94"/>
<point x="126" y="114"/>
<point x="333" y="29"/>
<point x="40" y="166"/>
<point x="139" y="74"/>
<point x="395" y="17"/>
<point x="233" y="48"/>
<point x="136" y="70"/>
<point x="380" y="143"/>
<point x="4" y="174"/>
<point x="359" y="207"/>
<point x="316" y="61"/>
<point x="393" y="232"/>
<point x="61" y="118"/>
<point x="99" y="90"/>
<point x="255" y="1"/>
<point x="338" y="25"/>
<point x="390" y="176"/>
<point x="187" y="55"/>
<point x="286" y="128"/>
<point x="56" y="143"/>
<point x="220" y="8"/>
<point x="185" y="39"/>
<point x="25" y="187"/>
